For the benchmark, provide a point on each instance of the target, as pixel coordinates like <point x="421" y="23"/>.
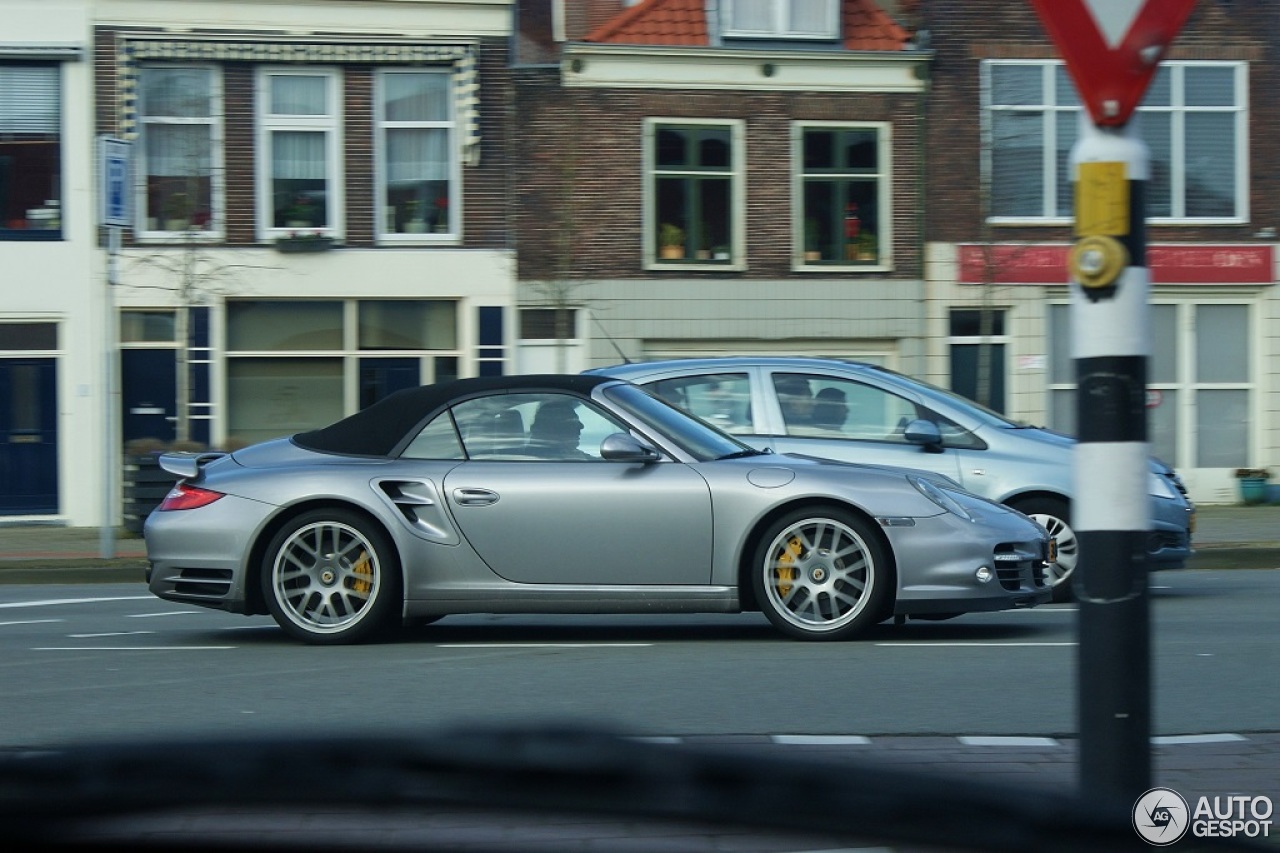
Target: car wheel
<point x="331" y="577"/>
<point x="1054" y="515"/>
<point x="822" y="575"/>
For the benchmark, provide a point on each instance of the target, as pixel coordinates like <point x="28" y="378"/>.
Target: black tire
<point x="1054" y="515"/>
<point x="822" y="574"/>
<point x="331" y="577"/>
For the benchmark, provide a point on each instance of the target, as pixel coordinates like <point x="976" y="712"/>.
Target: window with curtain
<point x="417" y="165"/>
<point x="695" y="171"/>
<point x="180" y="131"/>
<point x="1193" y="119"/>
<point x="1200" y="385"/>
<point x="303" y="363"/>
<point x="781" y="18"/>
<point x="30" y="152"/>
<point x="844" y="194"/>
<point x="299" y="151"/>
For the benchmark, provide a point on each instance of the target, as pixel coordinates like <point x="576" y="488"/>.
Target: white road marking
<point x="822" y="740"/>
<point x="1040" y="609"/>
<point x="130" y="648"/>
<point x="656" y="739"/>
<point x="166" y="613"/>
<point x="108" y="634"/>
<point x="1182" y="740"/>
<point x="32" y="622"/>
<point x="542" y="645"/>
<point x="959" y="644"/>
<point x="983" y="740"/>
<point x="48" y="602"/>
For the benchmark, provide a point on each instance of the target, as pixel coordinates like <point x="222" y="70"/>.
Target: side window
<point x="695" y="177"/>
<point x="437" y="440"/>
<point x="820" y="406"/>
<point x="721" y="399"/>
<point x="844" y="179"/>
<point x="555" y="427"/>
<point x="180" y="156"/>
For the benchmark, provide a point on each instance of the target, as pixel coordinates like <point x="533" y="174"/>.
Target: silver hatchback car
<point x="859" y="412"/>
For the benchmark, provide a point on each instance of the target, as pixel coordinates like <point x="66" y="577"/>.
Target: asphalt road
<point x="110" y="661"/>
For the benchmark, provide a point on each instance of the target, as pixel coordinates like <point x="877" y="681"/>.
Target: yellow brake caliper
<point x="786" y="569"/>
<point x="364" y="571"/>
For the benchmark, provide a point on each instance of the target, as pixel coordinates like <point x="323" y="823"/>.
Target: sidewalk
<point x="1227" y="537"/>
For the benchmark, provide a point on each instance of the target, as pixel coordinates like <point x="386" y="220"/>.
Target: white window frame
<point x="1185" y="383"/>
<point x="737" y="193"/>
<point x="381" y="126"/>
<point x="884" y="195"/>
<point x="348" y="352"/>
<point x="780" y="13"/>
<point x="217" y="167"/>
<point x="330" y="124"/>
<point x="47" y="99"/>
<point x="1049" y="108"/>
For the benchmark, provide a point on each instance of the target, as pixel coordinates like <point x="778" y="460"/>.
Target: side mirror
<point x="924" y="433"/>
<point x="621" y="447"/>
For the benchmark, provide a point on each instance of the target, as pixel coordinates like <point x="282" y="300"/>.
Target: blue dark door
<point x="148" y="394"/>
<point x="28" y="436"/>
<point x="380" y="377"/>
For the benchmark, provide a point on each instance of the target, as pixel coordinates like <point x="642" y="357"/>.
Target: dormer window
<point x="786" y="19"/>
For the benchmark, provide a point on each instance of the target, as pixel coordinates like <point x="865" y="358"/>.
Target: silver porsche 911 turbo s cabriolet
<point x="571" y="494"/>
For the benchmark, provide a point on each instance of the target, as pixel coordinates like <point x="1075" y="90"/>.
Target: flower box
<point x="304" y="243"/>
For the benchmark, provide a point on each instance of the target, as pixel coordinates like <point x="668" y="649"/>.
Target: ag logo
<point x="1161" y="816"/>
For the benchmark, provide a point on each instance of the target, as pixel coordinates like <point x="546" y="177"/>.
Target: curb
<point x="55" y="570"/>
<point x="1253" y="556"/>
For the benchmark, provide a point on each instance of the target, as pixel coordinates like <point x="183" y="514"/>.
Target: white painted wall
<point x="58" y="281"/>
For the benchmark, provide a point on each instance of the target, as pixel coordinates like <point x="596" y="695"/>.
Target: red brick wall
<point x="603" y="131"/>
<point x="483" y="185"/>
<point x="963" y="34"/>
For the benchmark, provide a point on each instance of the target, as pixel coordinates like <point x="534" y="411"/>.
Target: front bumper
<point x="1169" y="543"/>
<point x="940" y="558"/>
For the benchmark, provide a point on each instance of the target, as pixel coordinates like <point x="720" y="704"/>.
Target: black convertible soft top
<point x="377" y="430"/>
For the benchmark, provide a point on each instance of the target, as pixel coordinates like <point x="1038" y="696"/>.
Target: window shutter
<point x="28" y="99"/>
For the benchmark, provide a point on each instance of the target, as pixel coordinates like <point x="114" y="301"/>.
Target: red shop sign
<point x="1046" y="263"/>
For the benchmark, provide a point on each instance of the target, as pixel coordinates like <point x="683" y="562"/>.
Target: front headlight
<point x="1160" y="487"/>
<point x="939" y="496"/>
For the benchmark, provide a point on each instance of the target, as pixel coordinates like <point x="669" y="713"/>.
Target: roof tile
<point x="683" y="23"/>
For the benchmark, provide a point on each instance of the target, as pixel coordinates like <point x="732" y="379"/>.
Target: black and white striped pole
<point x="1110" y="337"/>
<point x="1112" y="50"/>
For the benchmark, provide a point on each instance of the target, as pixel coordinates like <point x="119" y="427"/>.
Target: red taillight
<point x="183" y="496"/>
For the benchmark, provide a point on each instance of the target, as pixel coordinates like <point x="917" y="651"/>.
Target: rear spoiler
<point x="186" y="464"/>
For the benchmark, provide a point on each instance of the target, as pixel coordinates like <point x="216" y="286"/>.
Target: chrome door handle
<point x="474" y="497"/>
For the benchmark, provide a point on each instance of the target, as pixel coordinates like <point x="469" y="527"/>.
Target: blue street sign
<point x="113" y="167"/>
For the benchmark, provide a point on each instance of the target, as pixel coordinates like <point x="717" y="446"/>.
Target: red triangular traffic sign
<point x="1112" y="47"/>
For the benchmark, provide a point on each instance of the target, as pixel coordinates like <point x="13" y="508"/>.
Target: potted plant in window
<point x="177" y="212"/>
<point x="867" y="249"/>
<point x="303" y="213"/>
<point x="1253" y="485"/>
<point x="670" y="241"/>
<point x="812" y="239"/>
<point x="414" y="222"/>
<point x="442" y="214"/>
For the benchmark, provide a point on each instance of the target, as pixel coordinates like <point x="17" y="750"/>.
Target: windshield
<point x="957" y="400"/>
<point x="700" y="440"/>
